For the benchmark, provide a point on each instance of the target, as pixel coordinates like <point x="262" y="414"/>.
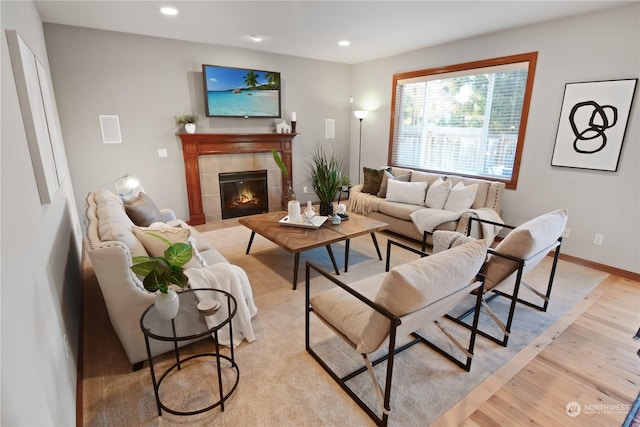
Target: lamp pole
<point x="360" y="114"/>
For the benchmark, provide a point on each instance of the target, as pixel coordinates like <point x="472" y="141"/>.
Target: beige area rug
<point x="280" y="384"/>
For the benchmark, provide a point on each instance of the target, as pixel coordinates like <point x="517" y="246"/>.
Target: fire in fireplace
<point x="243" y="193"/>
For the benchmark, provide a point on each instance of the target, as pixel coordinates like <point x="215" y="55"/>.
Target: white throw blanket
<point x="360" y="203"/>
<point x="232" y="279"/>
<point x="428" y="219"/>
<point x="443" y="240"/>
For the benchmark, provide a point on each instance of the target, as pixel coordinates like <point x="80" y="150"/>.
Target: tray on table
<point x="315" y="222"/>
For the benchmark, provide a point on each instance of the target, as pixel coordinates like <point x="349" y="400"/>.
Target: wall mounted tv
<point x="239" y="92"/>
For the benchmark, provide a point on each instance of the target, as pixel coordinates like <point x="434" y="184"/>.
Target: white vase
<point x="167" y="304"/>
<point x="190" y="127"/>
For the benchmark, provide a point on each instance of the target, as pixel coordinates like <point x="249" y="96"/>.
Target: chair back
<point x="530" y="241"/>
<point x="423" y="290"/>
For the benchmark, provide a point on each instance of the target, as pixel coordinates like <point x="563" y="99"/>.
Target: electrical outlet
<point x="566" y="233"/>
<point x="598" y="239"/>
<point x="305" y="189"/>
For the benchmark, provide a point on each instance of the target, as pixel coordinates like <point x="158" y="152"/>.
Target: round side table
<point x="188" y="325"/>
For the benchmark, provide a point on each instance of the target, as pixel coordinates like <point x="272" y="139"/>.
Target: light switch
<point x="162" y="152"/>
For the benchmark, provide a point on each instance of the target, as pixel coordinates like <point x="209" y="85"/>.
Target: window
<point x="466" y="119"/>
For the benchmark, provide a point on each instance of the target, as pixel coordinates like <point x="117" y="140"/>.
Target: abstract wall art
<point x="593" y="122"/>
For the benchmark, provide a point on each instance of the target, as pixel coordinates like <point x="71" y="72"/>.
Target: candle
<point x="309" y="207"/>
<point x="293" y="116"/>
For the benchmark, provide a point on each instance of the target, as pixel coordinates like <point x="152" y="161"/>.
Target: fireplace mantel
<point x="198" y="144"/>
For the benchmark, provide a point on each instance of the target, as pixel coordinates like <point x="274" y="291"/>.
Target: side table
<point x="189" y="324"/>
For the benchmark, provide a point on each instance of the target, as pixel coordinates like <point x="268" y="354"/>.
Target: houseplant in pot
<point x="326" y="177"/>
<point x="188" y="121"/>
<point x="161" y="272"/>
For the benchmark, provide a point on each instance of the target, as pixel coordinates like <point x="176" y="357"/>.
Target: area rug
<point x="280" y="384"/>
<point x="633" y="417"/>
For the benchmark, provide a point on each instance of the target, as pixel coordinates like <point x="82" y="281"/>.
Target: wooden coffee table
<point x="299" y="239"/>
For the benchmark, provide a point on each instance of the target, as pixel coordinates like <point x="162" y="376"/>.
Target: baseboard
<point x="601" y="267"/>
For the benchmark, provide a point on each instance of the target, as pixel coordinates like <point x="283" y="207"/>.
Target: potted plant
<point x="161" y="272"/>
<point x="325" y="175"/>
<point x="188" y="121"/>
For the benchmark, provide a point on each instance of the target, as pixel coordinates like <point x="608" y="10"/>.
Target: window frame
<point x="530" y="57"/>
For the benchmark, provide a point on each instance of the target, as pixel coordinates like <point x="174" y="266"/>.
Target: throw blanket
<point x="232" y="279"/>
<point x="443" y="240"/>
<point x="428" y="219"/>
<point x="360" y="203"/>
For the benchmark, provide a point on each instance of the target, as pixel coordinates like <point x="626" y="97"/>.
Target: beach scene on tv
<point x="241" y="92"/>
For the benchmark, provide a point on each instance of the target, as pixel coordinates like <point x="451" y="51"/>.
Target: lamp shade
<point x="128" y="187"/>
<point x="360" y="114"/>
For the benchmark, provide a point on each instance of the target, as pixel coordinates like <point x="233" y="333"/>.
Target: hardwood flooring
<point x="588" y="357"/>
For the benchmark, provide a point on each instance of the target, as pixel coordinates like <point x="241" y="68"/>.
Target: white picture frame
<point x="38" y="114"/>
<point x="593" y="123"/>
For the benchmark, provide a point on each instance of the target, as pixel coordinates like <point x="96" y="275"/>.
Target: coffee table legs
<point x="346" y="251"/>
<point x="296" y="263"/>
<point x="253" y="234"/>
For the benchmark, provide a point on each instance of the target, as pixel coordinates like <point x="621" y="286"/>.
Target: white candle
<point x="309" y="207"/>
<point x="293" y="116"/>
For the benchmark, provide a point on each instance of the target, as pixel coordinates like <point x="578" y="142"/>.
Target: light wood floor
<point x="588" y="357"/>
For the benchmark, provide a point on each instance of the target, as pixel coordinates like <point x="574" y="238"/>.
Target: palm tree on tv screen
<point x="273" y="79"/>
<point x="251" y="79"/>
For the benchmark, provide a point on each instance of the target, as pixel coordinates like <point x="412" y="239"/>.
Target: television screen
<point x="239" y="92"/>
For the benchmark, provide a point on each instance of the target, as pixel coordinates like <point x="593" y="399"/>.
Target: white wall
<point x="599" y="46"/>
<point x="146" y="81"/>
<point x="40" y="272"/>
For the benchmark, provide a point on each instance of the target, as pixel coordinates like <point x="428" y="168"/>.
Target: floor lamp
<point x="360" y="114"/>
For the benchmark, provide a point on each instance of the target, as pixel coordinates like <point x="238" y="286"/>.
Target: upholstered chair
<point x="521" y="250"/>
<point x="375" y="312"/>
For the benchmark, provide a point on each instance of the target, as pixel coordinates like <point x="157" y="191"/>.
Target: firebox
<point x="243" y="193"/>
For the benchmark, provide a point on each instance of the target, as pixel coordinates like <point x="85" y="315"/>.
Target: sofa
<point x="413" y="201"/>
<point x="112" y="239"/>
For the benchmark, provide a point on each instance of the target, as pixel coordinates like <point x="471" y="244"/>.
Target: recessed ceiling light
<point x="344" y="43"/>
<point x="256" y="38"/>
<point x="169" y="11"/>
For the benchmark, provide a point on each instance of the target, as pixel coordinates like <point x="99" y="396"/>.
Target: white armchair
<point x="379" y="309"/>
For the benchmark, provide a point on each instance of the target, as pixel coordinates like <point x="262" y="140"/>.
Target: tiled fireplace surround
<point x="211" y="165"/>
<point x="207" y="155"/>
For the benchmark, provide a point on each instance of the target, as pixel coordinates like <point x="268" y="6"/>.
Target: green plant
<point x="187" y="118"/>
<point x="280" y="163"/>
<point x="160" y="272"/>
<point x="325" y="175"/>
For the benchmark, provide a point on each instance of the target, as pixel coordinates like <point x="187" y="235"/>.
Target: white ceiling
<point x="312" y="29"/>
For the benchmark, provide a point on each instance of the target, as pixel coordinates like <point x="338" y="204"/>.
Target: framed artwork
<point x="593" y="122"/>
<point x="38" y="114"/>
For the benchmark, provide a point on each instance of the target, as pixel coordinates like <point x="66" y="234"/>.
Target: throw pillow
<point x="156" y="247"/>
<point x="382" y="193"/>
<point x="142" y="211"/>
<point x="416" y="284"/>
<point x="461" y="197"/>
<point x="437" y="194"/>
<point x="406" y="192"/>
<point x="373" y="179"/>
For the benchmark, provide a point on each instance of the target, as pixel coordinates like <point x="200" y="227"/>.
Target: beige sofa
<point x="403" y="217"/>
<point x="110" y="244"/>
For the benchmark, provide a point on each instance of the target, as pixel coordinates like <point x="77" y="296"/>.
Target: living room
<point x="147" y="81"/>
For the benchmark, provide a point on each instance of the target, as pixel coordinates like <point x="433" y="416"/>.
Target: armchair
<point x="519" y="252"/>
<point x="375" y="312"/>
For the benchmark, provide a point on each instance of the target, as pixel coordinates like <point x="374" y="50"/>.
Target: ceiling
<point x="312" y="29"/>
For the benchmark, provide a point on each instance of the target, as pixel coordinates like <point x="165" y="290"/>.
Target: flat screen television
<point x="240" y="92"/>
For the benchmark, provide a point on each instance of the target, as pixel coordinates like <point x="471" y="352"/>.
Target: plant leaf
<point x="178" y="254"/>
<point x="280" y="163"/>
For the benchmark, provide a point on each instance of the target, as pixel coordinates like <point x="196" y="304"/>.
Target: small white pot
<point x="190" y="127"/>
<point x="167" y="304"/>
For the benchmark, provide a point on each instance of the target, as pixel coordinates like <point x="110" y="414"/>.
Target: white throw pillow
<point x="156" y="247"/>
<point x="406" y="192"/>
<point x="438" y="193"/>
<point x="460" y="197"/>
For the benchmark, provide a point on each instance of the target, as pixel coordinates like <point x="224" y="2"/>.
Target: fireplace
<point x="243" y="193"/>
